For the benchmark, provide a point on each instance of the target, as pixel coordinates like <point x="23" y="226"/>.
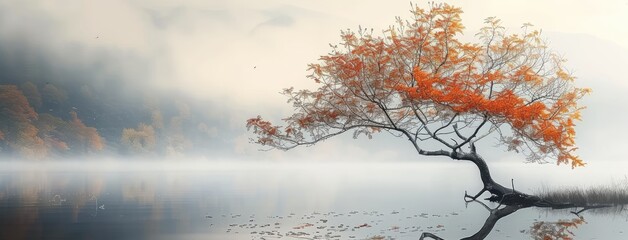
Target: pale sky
<point x="240" y="54"/>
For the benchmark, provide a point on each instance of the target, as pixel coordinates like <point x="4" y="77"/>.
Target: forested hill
<point x="43" y="116"/>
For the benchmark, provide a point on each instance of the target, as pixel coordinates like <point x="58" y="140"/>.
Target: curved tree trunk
<point x="510" y="196"/>
<point x="485" y="175"/>
<point x="512" y="199"/>
<point x="499" y="193"/>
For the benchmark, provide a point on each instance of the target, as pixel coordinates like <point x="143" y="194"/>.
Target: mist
<point x="206" y="67"/>
<point x="126" y="119"/>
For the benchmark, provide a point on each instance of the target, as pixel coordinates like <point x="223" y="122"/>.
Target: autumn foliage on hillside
<point x="34" y="135"/>
<point x="87" y="135"/>
<point x="42" y="119"/>
<point x="16" y="123"/>
<point x="141" y="139"/>
<point x="420" y="81"/>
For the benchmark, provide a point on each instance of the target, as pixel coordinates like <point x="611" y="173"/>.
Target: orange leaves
<point x="140" y="140"/>
<point x="316" y="68"/>
<point x="261" y="126"/>
<point x="370" y="107"/>
<point x="549" y="132"/>
<point x="14" y="105"/>
<point x="346" y="68"/>
<point x="525" y="73"/>
<point x="505" y="103"/>
<point x="16" y="123"/>
<point x="447" y="18"/>
<point x="305" y="121"/>
<point x="525" y="114"/>
<point x="86" y="134"/>
<point x="348" y="38"/>
<point x="420" y="75"/>
<point x="58" y="144"/>
<point x="464" y="97"/>
<point x="564" y="75"/>
<point x="547" y="121"/>
<point x="559" y="230"/>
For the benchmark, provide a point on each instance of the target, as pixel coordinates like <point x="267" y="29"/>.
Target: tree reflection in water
<point x="150" y="205"/>
<point x="540" y="230"/>
<point x="555" y="230"/>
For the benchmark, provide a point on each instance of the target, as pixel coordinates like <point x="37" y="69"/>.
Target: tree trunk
<point x="512" y="199"/>
<point x="499" y="193"/>
<point x="510" y="196"/>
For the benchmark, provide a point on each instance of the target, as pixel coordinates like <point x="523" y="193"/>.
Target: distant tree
<point x="57" y="144"/>
<point x="85" y="138"/>
<point x="141" y="140"/>
<point x="14" y="106"/>
<point x="50" y="131"/>
<point x="16" y="123"/>
<point x="157" y="118"/>
<point x="420" y="82"/>
<point x="176" y="141"/>
<point x="27" y="143"/>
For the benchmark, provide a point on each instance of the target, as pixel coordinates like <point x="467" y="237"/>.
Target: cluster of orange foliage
<point x="559" y="230"/>
<point x="17" y="121"/>
<point x="419" y="79"/>
<point x="159" y="136"/>
<point x="86" y="134"/>
<point x="14" y="105"/>
<point x="140" y="140"/>
<point x="35" y="135"/>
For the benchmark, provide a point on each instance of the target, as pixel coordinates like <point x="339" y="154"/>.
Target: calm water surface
<point x="267" y="201"/>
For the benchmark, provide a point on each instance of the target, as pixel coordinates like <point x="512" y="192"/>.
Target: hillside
<point x="41" y="118"/>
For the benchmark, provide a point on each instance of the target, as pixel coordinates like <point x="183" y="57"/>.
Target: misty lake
<point x="275" y="200"/>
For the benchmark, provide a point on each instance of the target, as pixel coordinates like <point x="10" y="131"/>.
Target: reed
<point x="614" y="194"/>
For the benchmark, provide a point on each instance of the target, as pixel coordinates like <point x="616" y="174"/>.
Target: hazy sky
<point x="240" y="54"/>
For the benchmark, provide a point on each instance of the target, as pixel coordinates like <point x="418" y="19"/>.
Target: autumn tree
<point x="421" y="82"/>
<point x="140" y="140"/>
<point x="16" y="123"/>
<point x="82" y="137"/>
<point x="176" y="141"/>
<point x="14" y="105"/>
<point x="49" y="128"/>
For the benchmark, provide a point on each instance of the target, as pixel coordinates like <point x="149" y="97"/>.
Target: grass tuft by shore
<point x="614" y="194"/>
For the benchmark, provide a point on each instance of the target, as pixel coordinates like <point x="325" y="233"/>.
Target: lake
<point x="282" y="200"/>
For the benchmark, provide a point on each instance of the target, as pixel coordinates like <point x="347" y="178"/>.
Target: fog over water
<point x="237" y="200"/>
